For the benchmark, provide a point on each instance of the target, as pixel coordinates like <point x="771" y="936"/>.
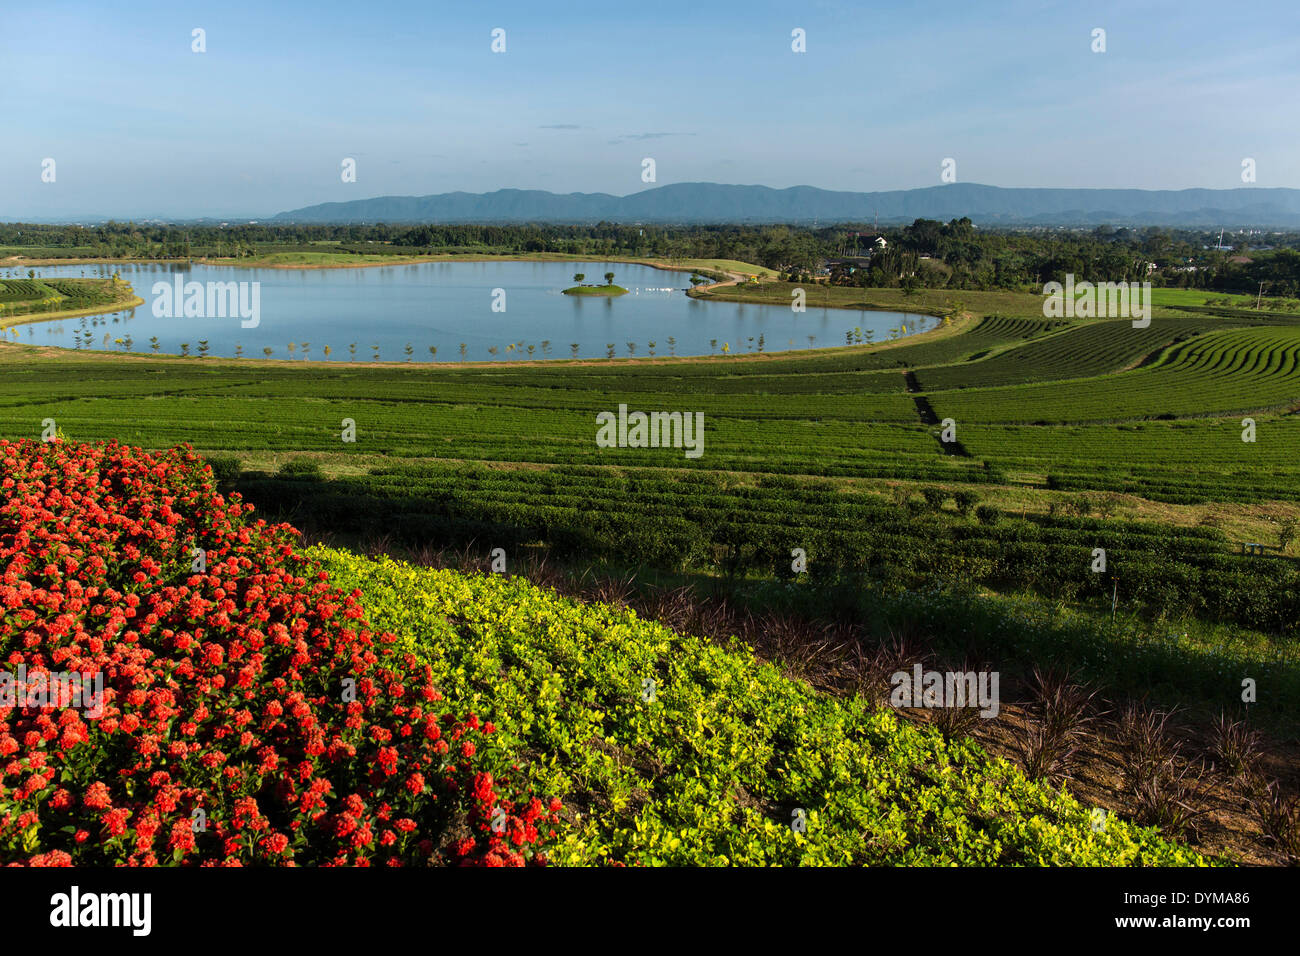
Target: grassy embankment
<point x="32" y="257"/>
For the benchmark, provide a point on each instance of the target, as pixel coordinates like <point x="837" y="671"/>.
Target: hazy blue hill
<point x="714" y="202"/>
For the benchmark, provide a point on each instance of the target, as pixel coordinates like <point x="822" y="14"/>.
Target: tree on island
<point x="578" y="277"/>
<point x="609" y="278"/>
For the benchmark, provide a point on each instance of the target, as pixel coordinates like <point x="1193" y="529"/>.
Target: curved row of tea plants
<point x="1080" y="351"/>
<point x="1188" y="461"/>
<point x="33" y="296"/>
<point x="1217" y="373"/>
<point x="701" y="520"/>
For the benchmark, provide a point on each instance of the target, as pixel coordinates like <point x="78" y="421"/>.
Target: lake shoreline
<point x="411" y="294"/>
<point x="134" y="302"/>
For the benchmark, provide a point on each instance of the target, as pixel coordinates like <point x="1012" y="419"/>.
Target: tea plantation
<point x="992" y="460"/>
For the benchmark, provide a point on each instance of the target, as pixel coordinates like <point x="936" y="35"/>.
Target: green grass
<point x="1204" y="297"/>
<point x="924" y="301"/>
<point x="340" y="257"/>
<point x="605" y="290"/>
<point x="718" y="265"/>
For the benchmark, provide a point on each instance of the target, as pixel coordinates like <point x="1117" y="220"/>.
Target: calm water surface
<point x="381" y="310"/>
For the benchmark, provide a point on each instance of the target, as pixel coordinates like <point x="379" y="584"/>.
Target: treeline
<point x="773" y="246"/>
<point x="927" y="253"/>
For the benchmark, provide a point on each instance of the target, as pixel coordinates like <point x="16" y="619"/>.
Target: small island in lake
<point x="608" y="289"/>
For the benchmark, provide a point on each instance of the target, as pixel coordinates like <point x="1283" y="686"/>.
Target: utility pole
<point x="1259" y="298"/>
<point x="1114" y="600"/>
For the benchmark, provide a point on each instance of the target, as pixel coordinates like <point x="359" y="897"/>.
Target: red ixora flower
<point x="216" y="684"/>
<point x="97" y="796"/>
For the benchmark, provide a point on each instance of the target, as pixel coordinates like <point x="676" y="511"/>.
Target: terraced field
<point x="1078" y="352"/>
<point x="1218" y="373"/>
<point x="22" y="297"/>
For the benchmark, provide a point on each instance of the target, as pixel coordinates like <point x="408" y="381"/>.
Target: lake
<point x="383" y="309"/>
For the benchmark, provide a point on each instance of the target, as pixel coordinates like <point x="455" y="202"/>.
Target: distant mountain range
<point x="717" y="203"/>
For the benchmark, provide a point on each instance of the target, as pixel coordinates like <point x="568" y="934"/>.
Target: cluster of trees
<point x="957" y="255"/>
<point x="927" y="253"/>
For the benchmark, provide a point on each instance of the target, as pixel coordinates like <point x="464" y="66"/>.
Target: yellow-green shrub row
<point x="713" y="769"/>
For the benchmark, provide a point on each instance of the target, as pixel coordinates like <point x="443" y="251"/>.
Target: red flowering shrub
<point x="249" y="716"/>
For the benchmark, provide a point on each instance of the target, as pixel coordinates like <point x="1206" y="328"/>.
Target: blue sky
<point x="140" y="126"/>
